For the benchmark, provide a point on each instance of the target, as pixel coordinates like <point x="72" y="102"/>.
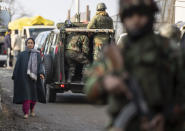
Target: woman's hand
<point x="41" y="76"/>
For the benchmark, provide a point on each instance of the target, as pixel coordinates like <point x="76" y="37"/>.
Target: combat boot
<point x="70" y="74"/>
<point x="84" y="72"/>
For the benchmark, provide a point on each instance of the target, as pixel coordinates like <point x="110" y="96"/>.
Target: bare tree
<point x="16" y="9"/>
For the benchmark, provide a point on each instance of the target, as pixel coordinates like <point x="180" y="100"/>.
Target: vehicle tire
<point x="48" y="66"/>
<point x="50" y="94"/>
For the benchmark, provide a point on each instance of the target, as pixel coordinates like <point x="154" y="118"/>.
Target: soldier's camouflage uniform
<point x="77" y="50"/>
<point x="171" y="32"/>
<point x="100" y="21"/>
<point x="157" y="66"/>
<point x="153" y="61"/>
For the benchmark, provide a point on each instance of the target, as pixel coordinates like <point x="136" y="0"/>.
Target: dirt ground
<point x="12" y="120"/>
<point x="70" y="112"/>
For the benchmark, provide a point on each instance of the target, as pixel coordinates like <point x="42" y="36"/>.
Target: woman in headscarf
<point x="27" y="75"/>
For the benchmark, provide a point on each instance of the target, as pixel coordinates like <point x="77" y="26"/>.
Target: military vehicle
<point x="54" y="60"/>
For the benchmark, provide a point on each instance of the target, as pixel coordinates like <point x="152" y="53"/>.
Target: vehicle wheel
<point x="50" y="94"/>
<point x="48" y="66"/>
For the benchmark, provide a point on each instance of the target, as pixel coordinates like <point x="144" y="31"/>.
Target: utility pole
<point x="168" y="11"/>
<point x="69" y="14"/>
<point x="87" y="13"/>
<point x="78" y="11"/>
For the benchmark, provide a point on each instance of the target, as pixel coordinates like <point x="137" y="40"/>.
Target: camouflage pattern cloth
<point x="156" y="65"/>
<point x="171" y="32"/>
<point x="100" y="21"/>
<point x="76" y="57"/>
<point x="73" y="59"/>
<point x="77" y="50"/>
<point x="78" y="43"/>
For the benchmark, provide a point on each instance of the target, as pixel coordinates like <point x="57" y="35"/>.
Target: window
<point x="35" y="31"/>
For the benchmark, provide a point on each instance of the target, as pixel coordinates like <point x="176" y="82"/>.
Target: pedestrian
<point x="155" y="66"/>
<point x="101" y="20"/>
<point x="27" y="73"/>
<point x="7" y="44"/>
<point x="16" y="46"/>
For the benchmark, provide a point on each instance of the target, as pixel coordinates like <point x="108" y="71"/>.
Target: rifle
<point x="137" y="106"/>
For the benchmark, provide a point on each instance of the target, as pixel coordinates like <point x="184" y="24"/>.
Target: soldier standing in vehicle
<point x="152" y="61"/>
<point x="77" y="50"/>
<point x="100" y="21"/>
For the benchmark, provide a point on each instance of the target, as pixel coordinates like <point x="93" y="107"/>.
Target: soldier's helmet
<point x="68" y="24"/>
<point x="101" y="7"/>
<point x="170" y="31"/>
<point x="128" y="7"/>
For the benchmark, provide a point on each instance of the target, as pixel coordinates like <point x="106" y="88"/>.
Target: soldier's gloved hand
<point x="114" y="84"/>
<point x="41" y="76"/>
<point x="156" y="124"/>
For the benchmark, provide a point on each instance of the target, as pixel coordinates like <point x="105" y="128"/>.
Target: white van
<point x="33" y="31"/>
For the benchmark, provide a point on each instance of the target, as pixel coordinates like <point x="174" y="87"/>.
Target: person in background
<point x="27" y="73"/>
<point x="101" y="20"/>
<point x="77" y="50"/>
<point x="7" y="44"/>
<point x="16" y="46"/>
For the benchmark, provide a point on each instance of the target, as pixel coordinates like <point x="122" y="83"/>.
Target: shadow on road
<point x="71" y="98"/>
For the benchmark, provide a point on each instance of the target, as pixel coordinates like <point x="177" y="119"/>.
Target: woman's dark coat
<point x="24" y="87"/>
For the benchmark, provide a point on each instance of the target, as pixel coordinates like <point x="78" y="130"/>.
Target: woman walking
<point x="27" y="75"/>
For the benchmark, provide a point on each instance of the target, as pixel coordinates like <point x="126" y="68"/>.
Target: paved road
<point x="71" y="112"/>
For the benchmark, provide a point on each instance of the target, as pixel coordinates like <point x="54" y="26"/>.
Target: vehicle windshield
<point x="35" y="31"/>
<point x="40" y="39"/>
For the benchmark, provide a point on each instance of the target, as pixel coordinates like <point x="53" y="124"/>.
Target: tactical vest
<point x="149" y="60"/>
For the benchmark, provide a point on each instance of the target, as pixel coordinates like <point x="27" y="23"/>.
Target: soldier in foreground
<point x="142" y="81"/>
<point x="100" y="21"/>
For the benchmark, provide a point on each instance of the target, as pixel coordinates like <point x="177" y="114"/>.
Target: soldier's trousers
<point x="74" y="58"/>
<point x="99" y="41"/>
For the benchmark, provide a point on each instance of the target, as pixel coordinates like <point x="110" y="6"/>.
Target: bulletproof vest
<point x="103" y="22"/>
<point x="147" y="59"/>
